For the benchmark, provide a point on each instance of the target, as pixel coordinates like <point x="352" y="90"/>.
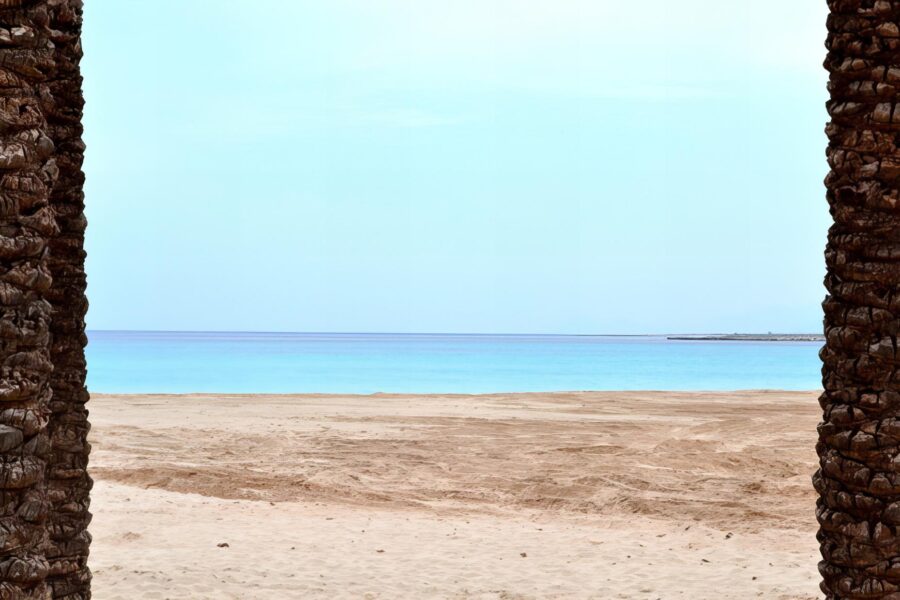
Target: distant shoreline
<point x="681" y="336"/>
<point x="750" y="337"/>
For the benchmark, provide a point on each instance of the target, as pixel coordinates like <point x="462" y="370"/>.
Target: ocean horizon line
<point x="442" y="333"/>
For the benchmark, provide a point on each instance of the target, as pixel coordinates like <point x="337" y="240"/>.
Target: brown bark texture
<point x="859" y="439"/>
<point x="67" y="479"/>
<point x="43" y="424"/>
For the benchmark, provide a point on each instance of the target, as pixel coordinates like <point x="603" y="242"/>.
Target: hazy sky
<point x="571" y="166"/>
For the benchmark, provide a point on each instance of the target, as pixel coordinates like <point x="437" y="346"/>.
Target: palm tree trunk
<point x="859" y="439"/>
<point x="27" y="173"/>
<point x="68" y="482"/>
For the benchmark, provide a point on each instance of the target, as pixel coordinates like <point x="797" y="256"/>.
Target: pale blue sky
<point x="581" y="166"/>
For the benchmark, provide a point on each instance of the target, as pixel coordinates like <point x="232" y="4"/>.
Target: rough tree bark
<point x="859" y="438"/>
<point x="43" y="423"/>
<point x="68" y="482"/>
<point x="27" y="174"/>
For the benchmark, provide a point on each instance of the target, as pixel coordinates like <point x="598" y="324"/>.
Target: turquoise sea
<point x="145" y="362"/>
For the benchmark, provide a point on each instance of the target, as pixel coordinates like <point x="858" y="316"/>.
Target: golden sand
<point x="575" y="495"/>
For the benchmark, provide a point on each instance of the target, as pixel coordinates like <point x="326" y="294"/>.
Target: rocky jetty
<point x="752" y="337"/>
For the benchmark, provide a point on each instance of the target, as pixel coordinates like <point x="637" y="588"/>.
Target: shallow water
<point x="142" y="362"/>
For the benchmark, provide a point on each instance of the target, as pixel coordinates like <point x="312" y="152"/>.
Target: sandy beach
<point x="578" y="495"/>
